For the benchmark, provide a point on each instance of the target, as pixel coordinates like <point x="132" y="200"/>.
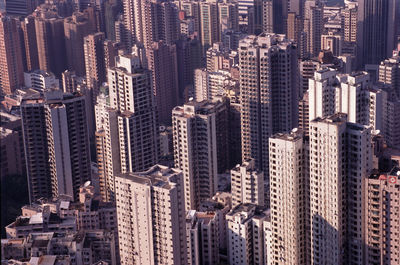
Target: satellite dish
<point x="87" y="184"/>
<point x="295" y="130"/>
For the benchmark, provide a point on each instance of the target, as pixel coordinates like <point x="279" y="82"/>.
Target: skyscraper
<point x="209" y="28"/>
<point x="93" y="47"/>
<point x="313" y="25"/>
<point x="340" y="158"/>
<point x="202" y="233"/>
<point x="68" y="143"/>
<point x="11" y="65"/>
<point x="162" y="61"/>
<point x="189" y="58"/>
<point x="322" y="86"/>
<point x="110" y="52"/>
<point x="289" y="182"/>
<point x="21" y="7"/>
<point x="304" y="112"/>
<point x="247" y="184"/>
<point x="268" y="16"/>
<point x="332" y="42"/>
<point x="130" y="127"/>
<point x="251" y="16"/>
<point x="151" y="217"/>
<point x="269" y="93"/>
<point x="56" y="144"/>
<point x="389" y="73"/>
<point x="36" y="151"/>
<point x="350" y="14"/>
<point x="50" y="41"/>
<point x="198" y="137"/>
<point x="228" y="17"/>
<point x="246" y="224"/>
<point x="76" y="28"/>
<point x="381" y="218"/>
<point x="149" y="21"/>
<point x="294" y="27"/>
<point x="31" y="52"/>
<point x="378" y="29"/>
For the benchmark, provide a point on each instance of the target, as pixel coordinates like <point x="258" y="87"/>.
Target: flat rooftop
<point x="335" y="118"/>
<point x="376" y="174"/>
<point x="293" y="136"/>
<point x="157" y="175"/>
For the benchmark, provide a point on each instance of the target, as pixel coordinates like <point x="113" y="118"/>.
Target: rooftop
<point x="157" y="175"/>
<point x="5" y="132"/>
<point x="43" y="260"/>
<point x="248" y="211"/>
<point x="376" y="174"/>
<point x="293" y="136"/>
<point x="335" y="118"/>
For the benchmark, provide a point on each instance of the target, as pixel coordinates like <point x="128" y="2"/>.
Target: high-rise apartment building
<point x="268" y="16"/>
<point x="130" y="127"/>
<point x="110" y="52"/>
<point x="269" y="93"/>
<point x="200" y="147"/>
<point x="41" y="80"/>
<point x="68" y="143"/>
<point x="149" y="21"/>
<point x="246" y="224"/>
<point x="56" y="144"/>
<point x="20" y="7"/>
<point x="381" y="217"/>
<point x="202" y="231"/>
<point x="209" y="85"/>
<point x="70" y="81"/>
<point x="151" y="216"/>
<point x="294" y="28"/>
<point x="36" y="151"/>
<point x="228" y="17"/>
<point x="93" y="47"/>
<point x="247" y="184"/>
<point x="169" y="23"/>
<point x="340" y="159"/>
<point x="378" y="29"/>
<point x="191" y="9"/>
<point x="76" y="28"/>
<point x="289" y="193"/>
<point x="162" y="61"/>
<point x="391" y="121"/>
<point x="332" y="42"/>
<point x="219" y="57"/>
<point x="189" y="58"/>
<point x="209" y="27"/>
<point x="321" y="93"/>
<point x="251" y="16"/>
<point x="11" y="146"/>
<point x="307" y="69"/>
<point x="389" y="73"/>
<point x="350" y="13"/>
<point x="304" y="112"/>
<point x="31" y="52"/>
<point x="330" y="92"/>
<point x="354" y="95"/>
<point x="313" y="25"/>
<point x="11" y="64"/>
<point x="50" y="41"/>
